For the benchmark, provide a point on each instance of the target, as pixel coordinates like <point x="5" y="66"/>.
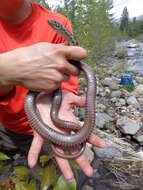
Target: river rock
<point x="140" y="100"/>
<point x="107" y="91"/>
<point x="122" y="101"/>
<point x="102" y="187"/>
<point x="139" y="91"/>
<point x="132" y="45"/>
<point x="102" y="119"/>
<point x="118" y="104"/>
<point x="111" y="112"/>
<point x="116" y="94"/>
<point x="109" y="152"/>
<point x="132" y="101"/>
<point x="139" y="136"/>
<point x="110" y="83"/>
<point x="114" y="100"/>
<point x="141" y="108"/>
<point x="101" y="107"/>
<point x="87" y="187"/>
<point x="127" y="125"/>
<point x="105" y="101"/>
<point x="139" y="80"/>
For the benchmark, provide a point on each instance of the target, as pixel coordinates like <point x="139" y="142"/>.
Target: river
<point x="135" y="59"/>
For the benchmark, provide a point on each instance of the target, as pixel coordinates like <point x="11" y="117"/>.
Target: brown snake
<point x="79" y="136"/>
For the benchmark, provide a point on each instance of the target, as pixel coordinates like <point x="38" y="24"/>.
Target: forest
<point x="96" y="27"/>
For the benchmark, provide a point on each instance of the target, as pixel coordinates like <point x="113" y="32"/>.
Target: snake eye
<point x="57" y="25"/>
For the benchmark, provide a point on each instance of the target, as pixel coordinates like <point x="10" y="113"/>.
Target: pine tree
<point x="124" y="26"/>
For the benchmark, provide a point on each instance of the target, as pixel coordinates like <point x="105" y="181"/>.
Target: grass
<point x="139" y="38"/>
<point x="119" y="67"/>
<point x="122" y="53"/>
<point x="129" y="88"/>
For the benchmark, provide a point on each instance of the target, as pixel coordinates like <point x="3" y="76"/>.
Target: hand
<point x="65" y="113"/>
<point x="40" y="67"/>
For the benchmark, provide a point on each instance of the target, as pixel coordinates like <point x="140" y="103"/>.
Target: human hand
<point x="65" y="113"/>
<point x="39" y="67"/>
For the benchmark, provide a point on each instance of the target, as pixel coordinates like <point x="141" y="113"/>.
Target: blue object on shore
<point x="127" y="79"/>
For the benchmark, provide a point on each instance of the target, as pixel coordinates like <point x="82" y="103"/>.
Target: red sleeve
<point x="72" y="84"/>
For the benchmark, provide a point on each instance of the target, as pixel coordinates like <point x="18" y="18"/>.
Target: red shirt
<point x="32" y="30"/>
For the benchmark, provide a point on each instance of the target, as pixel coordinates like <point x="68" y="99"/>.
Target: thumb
<point x="78" y="100"/>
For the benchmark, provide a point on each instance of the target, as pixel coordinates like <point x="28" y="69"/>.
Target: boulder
<point x="102" y="119"/>
<point x="110" y="83"/>
<point x="139" y="136"/>
<point x="122" y="101"/>
<point x="128" y="126"/>
<point x="116" y="94"/>
<point x="109" y="152"/>
<point x="139" y="91"/>
<point x="132" y="101"/>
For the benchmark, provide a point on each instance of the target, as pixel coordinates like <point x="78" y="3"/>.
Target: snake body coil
<point x="81" y="134"/>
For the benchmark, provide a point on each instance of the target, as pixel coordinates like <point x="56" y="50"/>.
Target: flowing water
<point x="135" y="59"/>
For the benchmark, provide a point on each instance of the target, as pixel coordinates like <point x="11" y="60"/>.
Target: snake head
<point x="54" y="24"/>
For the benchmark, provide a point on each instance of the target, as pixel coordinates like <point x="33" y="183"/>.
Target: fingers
<point x="35" y="150"/>
<point x="69" y="53"/>
<point x="74" y="53"/>
<point x="78" y="100"/>
<point x="65" y="67"/>
<point x="84" y="165"/>
<point x="83" y="162"/>
<point x="65" y="167"/>
<point x="97" y="141"/>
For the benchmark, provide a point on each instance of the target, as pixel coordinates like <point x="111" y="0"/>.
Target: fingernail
<point x="90" y="172"/>
<point x="69" y="177"/>
<point x="32" y="164"/>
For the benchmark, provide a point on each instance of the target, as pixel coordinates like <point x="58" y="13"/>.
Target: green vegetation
<point x="20" y="178"/>
<point x="133" y="28"/>
<point x="122" y="53"/>
<point x="92" y="25"/>
<point x="139" y="37"/>
<point x="124" y="26"/>
<point x="129" y="88"/>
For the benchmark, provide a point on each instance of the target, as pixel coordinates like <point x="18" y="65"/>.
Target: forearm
<point x="5" y="86"/>
<point x="40" y="67"/>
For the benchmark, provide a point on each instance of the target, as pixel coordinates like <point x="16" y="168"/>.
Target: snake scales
<point x="77" y="136"/>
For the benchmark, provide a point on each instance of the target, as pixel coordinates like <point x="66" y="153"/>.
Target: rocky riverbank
<point x="119" y="113"/>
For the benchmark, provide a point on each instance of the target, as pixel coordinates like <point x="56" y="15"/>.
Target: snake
<point x="78" y="135"/>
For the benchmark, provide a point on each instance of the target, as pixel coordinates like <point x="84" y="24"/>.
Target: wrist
<point x="8" y="70"/>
